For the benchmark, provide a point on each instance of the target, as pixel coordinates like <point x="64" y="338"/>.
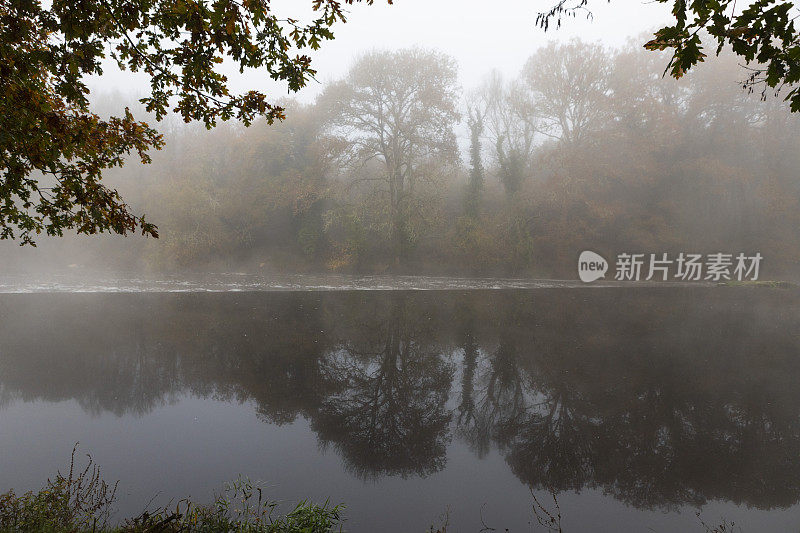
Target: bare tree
<point x="397" y="108"/>
<point x="510" y="120"/>
<point x="569" y="84"/>
<point x="478" y="106"/>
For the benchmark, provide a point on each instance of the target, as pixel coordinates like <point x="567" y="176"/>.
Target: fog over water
<point x="378" y="301"/>
<point x="636" y="407"/>
<point x="239" y="282"/>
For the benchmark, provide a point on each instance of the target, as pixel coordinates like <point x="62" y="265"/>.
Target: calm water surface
<point x="637" y="407"/>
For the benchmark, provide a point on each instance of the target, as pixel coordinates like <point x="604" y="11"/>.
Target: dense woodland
<point x="398" y="168"/>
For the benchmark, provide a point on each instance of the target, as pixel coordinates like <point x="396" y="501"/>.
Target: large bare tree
<point x="399" y="109"/>
<point x="570" y="87"/>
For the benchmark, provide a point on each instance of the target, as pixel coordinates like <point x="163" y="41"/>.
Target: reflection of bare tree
<point x="466" y="409"/>
<point x="677" y="443"/>
<point x="505" y="389"/>
<point x="657" y="407"/>
<point x="388" y="413"/>
<point x="471" y="425"/>
<point x="500" y="398"/>
<point x="129" y="375"/>
<point x="492" y="395"/>
<point x="524" y="406"/>
<point x="662" y="402"/>
<point x="550" y="445"/>
<point x="660" y="433"/>
<point x="285" y="385"/>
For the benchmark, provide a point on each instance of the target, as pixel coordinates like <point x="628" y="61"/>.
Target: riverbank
<point x="81" y="501"/>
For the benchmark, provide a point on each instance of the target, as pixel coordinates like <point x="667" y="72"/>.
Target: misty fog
<point x="398" y="168"/>
<point x="417" y="295"/>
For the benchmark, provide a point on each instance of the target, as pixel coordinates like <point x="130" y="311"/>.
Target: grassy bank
<point x="80" y="501"/>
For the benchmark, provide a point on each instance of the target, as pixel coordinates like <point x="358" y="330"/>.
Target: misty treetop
<point x="392" y="169"/>
<point x="54" y="150"/>
<point x="762" y="33"/>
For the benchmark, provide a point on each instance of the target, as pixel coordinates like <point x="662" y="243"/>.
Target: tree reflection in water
<point x="660" y="397"/>
<point x="387" y="414"/>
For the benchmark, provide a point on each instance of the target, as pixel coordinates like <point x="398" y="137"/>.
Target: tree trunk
<point x="398" y="236"/>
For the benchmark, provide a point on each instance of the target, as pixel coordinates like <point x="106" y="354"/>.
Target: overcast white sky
<point x="482" y="35"/>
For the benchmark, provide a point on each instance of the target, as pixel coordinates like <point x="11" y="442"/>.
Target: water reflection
<point x="389" y="383"/>
<point x="659" y="397"/>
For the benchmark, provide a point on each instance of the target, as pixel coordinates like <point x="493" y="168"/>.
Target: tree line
<point x="397" y="168"/>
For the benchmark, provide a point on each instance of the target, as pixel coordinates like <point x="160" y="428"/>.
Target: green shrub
<point x="81" y="502"/>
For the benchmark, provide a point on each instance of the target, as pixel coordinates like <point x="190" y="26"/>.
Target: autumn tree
<point x="512" y="120"/>
<point x="762" y="33"/>
<point x="569" y="87"/>
<point x="475" y="123"/>
<point x="54" y="151"/>
<point x="397" y="109"/>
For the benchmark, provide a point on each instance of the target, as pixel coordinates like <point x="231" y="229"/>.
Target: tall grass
<point x="82" y="502"/>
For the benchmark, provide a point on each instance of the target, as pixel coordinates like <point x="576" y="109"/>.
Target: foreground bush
<point x="82" y="502"/>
